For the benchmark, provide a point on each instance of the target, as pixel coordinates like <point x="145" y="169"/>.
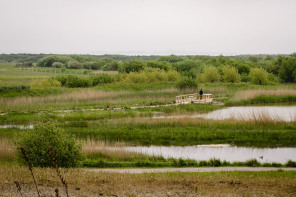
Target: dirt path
<point x="206" y="169"/>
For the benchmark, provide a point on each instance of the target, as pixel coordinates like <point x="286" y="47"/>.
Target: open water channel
<point x="222" y="152"/>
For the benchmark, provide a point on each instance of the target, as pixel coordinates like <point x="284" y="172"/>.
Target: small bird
<point x="260" y="157"/>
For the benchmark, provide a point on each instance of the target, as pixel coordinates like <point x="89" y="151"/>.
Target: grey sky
<point x="148" y="26"/>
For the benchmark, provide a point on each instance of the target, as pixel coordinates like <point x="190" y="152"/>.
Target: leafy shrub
<point x="159" y="64"/>
<point x="49" y="60"/>
<point x="215" y="162"/>
<point x="291" y="163"/>
<point x="7" y="88"/>
<point x="73" y="64"/>
<point x="102" y="79"/>
<point x="210" y="74"/>
<point x="65" y="150"/>
<point x="77" y="82"/>
<point x="73" y="81"/>
<point x="57" y="65"/>
<point x="186" y="82"/>
<point x="173" y="75"/>
<point x="132" y="66"/>
<point x="252" y="163"/>
<point x="46" y="83"/>
<point x="25" y="64"/>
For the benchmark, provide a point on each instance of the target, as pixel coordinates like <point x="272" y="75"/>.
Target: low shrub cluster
<point x="8" y="88"/>
<point x="82" y="82"/>
<point x="148" y="76"/>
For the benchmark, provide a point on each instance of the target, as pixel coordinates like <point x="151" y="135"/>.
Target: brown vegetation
<point x="85" y="183"/>
<point x="250" y="94"/>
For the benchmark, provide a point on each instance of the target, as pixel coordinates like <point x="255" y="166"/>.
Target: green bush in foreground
<point x="65" y="150"/>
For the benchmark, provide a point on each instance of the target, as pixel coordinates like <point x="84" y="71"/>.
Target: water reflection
<point x="223" y="152"/>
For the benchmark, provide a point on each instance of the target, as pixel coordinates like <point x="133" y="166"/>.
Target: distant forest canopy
<point x="260" y="69"/>
<point x="24" y="57"/>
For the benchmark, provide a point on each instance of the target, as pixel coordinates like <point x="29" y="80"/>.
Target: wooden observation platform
<point x="194" y="98"/>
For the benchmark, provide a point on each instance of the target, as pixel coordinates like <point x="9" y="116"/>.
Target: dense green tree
<point x="210" y="74"/>
<point x="259" y="76"/>
<point x="134" y="65"/>
<point x="287" y="71"/>
<point x="230" y="74"/>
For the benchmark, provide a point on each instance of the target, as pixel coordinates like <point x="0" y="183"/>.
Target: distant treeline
<point x="259" y="69"/>
<point x="24" y="57"/>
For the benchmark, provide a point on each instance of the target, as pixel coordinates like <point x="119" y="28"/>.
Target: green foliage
<point x="57" y="65"/>
<point x="91" y="65"/>
<point x="162" y="65"/>
<point x="73" y="81"/>
<point x="186" y="83"/>
<point x="73" y="64"/>
<point x="210" y="74"/>
<point x="65" y="150"/>
<point x="259" y="76"/>
<point x="135" y="65"/>
<point x="215" y="162"/>
<point x="49" y="60"/>
<point x="25" y="64"/>
<point x="230" y="74"/>
<point x="187" y="65"/>
<point x="171" y="59"/>
<point x="287" y="72"/>
<point x="252" y="163"/>
<point x="51" y="82"/>
<point x="113" y="65"/>
<point x="102" y="79"/>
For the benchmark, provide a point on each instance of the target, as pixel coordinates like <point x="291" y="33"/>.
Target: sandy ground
<point x="213" y="169"/>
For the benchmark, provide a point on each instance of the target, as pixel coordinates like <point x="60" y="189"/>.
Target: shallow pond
<point x="16" y="126"/>
<point x="222" y="152"/>
<point x="276" y="113"/>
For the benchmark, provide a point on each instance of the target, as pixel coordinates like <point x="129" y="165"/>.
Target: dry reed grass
<point x="7" y="150"/>
<point x="90" y="183"/>
<point x="109" y="150"/>
<point x="250" y="94"/>
<point x="85" y="96"/>
<point x="72" y="97"/>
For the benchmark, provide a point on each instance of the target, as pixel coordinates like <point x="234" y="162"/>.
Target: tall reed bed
<point x="86" y="97"/>
<point x="112" y="151"/>
<point x="7" y="150"/>
<point x="250" y="94"/>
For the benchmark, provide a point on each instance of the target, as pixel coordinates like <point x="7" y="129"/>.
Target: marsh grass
<point x="277" y="183"/>
<point x="7" y="150"/>
<point x="250" y="94"/>
<point x="112" y="151"/>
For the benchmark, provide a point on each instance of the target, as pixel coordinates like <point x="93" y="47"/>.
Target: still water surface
<point x="222" y="152"/>
<point x="276" y="113"/>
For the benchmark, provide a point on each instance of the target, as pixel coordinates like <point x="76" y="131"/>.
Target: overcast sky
<point x="148" y="26"/>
